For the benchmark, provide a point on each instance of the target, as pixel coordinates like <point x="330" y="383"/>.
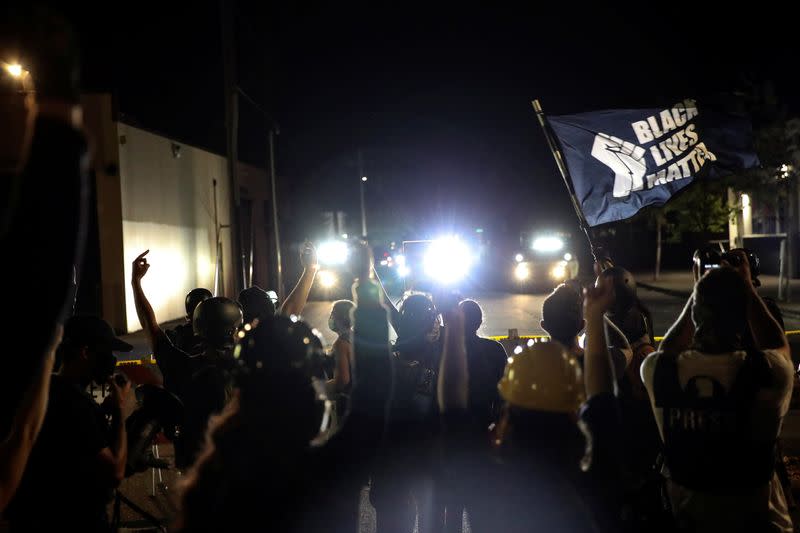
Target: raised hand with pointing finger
<point x="140" y="266"/>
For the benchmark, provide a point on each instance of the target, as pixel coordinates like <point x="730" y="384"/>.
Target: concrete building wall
<point x="155" y="193"/>
<point x="168" y="205"/>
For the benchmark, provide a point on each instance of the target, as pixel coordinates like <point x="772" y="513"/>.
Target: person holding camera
<point x="79" y="457"/>
<point x="719" y="388"/>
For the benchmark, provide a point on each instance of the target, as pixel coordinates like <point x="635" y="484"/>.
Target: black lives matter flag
<point x="622" y="160"/>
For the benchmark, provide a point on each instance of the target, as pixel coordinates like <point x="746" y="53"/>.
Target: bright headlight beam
<point x="547" y="244"/>
<point x="327" y="279"/>
<point x="333" y="253"/>
<point x="518" y="258"/>
<point x="448" y="260"/>
<point x="15" y="69"/>
<point x="559" y="271"/>
<point x="522" y="271"/>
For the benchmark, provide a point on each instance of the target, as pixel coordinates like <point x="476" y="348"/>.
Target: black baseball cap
<point x="94" y="332"/>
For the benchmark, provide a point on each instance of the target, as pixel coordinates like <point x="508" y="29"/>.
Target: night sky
<point x="438" y="99"/>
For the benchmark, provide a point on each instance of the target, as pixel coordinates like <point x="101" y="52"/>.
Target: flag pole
<point x="562" y="167"/>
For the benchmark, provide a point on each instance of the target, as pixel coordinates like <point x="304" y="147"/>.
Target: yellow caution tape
<point x="789" y="333"/>
<point x="146" y="360"/>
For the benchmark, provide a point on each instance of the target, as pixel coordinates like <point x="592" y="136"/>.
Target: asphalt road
<point x="504" y="311"/>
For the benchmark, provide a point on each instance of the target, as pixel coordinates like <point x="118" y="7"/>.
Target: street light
<point x="363" y="180"/>
<point x="15" y="69"/>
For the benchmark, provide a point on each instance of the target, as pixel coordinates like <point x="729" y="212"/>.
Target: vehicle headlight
<point x="559" y="271"/>
<point x="518" y="258"/>
<point x="547" y="244"/>
<point x="522" y="271"/>
<point x="403" y="271"/>
<point x="333" y="253"/>
<point x="327" y="279"/>
<point x="448" y="260"/>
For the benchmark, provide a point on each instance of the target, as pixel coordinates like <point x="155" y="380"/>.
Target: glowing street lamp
<point x="15" y="69"/>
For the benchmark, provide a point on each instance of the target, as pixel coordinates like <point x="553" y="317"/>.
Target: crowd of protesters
<point x="596" y="428"/>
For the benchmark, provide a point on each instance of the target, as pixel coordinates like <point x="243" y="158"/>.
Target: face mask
<point x="332" y="324"/>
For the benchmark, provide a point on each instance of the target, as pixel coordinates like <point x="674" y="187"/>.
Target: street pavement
<point x="502" y="311"/>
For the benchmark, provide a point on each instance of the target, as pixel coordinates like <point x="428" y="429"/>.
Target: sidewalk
<point x="680" y="284"/>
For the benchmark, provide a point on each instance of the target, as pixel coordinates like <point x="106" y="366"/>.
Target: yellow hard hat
<point x="543" y="376"/>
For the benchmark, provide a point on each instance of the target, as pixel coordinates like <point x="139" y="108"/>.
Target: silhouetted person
<point x="720" y="386"/>
<point x="79" y="457"/>
<point x="183" y="336"/>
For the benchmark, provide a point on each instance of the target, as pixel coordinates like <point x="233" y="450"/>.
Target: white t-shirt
<point x="727" y="512"/>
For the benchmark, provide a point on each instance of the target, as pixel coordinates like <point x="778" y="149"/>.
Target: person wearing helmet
<point x="183" y="336"/>
<point x="629" y="314"/>
<point x="268" y="460"/>
<point x="201" y="381"/>
<point x="257" y="466"/>
<point x="541" y="438"/>
<point x="417" y="350"/>
<point x="256" y="303"/>
<point x="409" y="468"/>
<point x="539" y="441"/>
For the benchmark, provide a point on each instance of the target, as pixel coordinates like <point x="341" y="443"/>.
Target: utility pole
<point x="273" y="130"/>
<point x="659" y="224"/>
<point x="228" y="26"/>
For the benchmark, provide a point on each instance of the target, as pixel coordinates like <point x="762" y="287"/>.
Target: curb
<point x="685" y="294"/>
<point x="670" y="292"/>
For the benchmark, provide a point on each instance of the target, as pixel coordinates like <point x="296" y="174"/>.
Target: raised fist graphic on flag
<point x="625" y="159"/>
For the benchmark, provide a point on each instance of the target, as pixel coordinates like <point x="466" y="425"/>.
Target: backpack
<point x="708" y="439"/>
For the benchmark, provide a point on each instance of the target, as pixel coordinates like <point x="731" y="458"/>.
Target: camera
<point x="709" y="258"/>
<point x="158" y="411"/>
